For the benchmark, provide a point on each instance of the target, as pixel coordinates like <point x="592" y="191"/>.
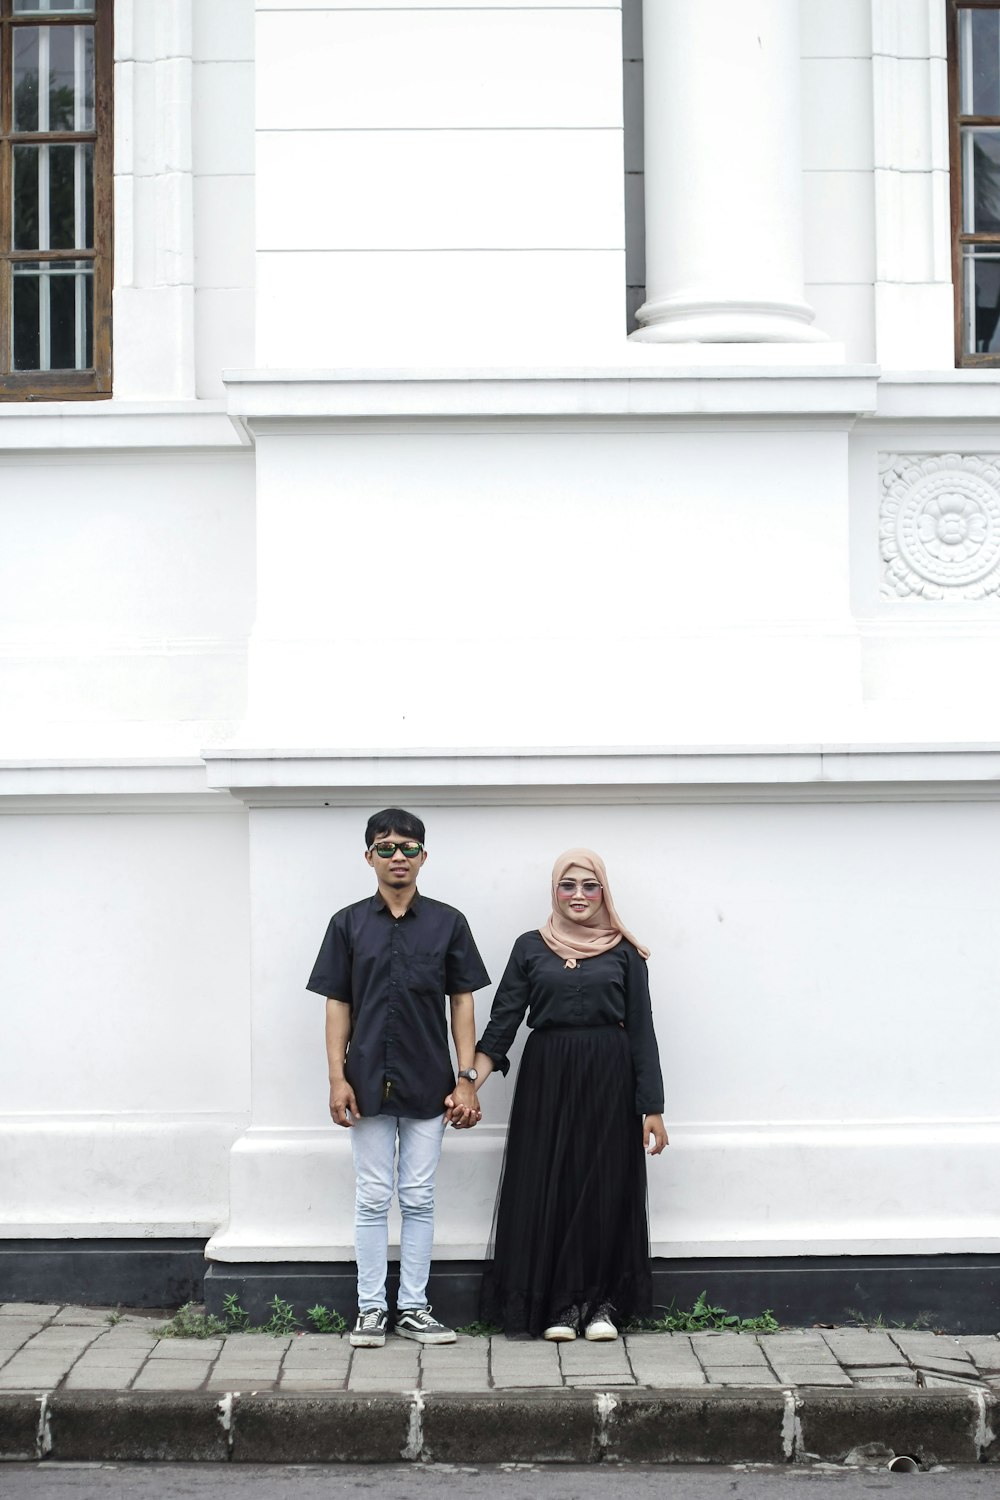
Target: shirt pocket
<point x="426" y="974"/>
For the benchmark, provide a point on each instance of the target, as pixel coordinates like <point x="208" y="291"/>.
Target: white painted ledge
<point x="693" y="773"/>
<point x="739" y="1188"/>
<point x="703" y="389"/>
<point x="112" y="785"/>
<point x="350" y="777"/>
<point x="968" y="395"/>
<point x="67" y="425"/>
<point x="114" y="1175"/>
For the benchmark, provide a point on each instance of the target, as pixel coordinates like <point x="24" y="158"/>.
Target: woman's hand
<point x="462" y="1106"/>
<point x="654" y="1134"/>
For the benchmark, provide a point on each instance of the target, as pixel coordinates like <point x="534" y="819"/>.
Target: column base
<point x="673" y="322"/>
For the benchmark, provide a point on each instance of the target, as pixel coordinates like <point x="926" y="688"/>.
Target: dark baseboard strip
<point x="103" y="1272"/>
<point x="953" y="1293"/>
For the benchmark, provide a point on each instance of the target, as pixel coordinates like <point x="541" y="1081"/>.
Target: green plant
<point x="921" y="1321"/>
<point x="282" y="1320"/>
<point x="479" y="1330"/>
<point x="114" y="1317"/>
<point x="325" y="1321"/>
<point x="236" y="1318"/>
<point x="192" y="1322"/>
<point x="704" y="1318"/>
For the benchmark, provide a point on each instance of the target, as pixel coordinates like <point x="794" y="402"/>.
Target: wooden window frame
<point x="61" y="385"/>
<point x="963" y="358"/>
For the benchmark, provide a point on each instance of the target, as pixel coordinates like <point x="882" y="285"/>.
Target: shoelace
<point x="370" y="1318"/>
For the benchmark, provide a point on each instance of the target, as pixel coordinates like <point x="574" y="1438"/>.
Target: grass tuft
<point x="704" y="1318"/>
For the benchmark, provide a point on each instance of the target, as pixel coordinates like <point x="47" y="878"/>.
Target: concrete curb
<point x="567" y="1426"/>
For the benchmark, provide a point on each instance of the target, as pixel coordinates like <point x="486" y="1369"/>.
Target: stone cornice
<point x="538" y="776"/>
<point x="706" y="389"/>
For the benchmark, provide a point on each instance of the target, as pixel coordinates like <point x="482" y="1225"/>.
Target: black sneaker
<point x="369" y="1331"/>
<point x="562" y="1329"/>
<point x="417" y="1323"/>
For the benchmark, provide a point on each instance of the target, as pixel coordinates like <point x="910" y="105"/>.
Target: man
<point x="385" y="967"/>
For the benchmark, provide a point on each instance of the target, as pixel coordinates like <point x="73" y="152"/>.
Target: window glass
<point x="53" y="7"/>
<point x="974" y="88"/>
<point x="981" y="300"/>
<point x="54" y="197"/>
<point x="56" y="194"/>
<point x="979" y="61"/>
<point x="53" y="324"/>
<point x="53" y="78"/>
<point x="980" y="181"/>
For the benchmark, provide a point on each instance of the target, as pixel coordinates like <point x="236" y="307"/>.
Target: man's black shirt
<point x="394" y="974"/>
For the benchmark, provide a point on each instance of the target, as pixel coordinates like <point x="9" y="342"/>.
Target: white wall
<point x="126" y="596"/>
<point x="183" y="302"/>
<point x="569" y="562"/>
<point x="124" y="1056"/>
<point x="223" y="183"/>
<point x="529" y="570"/>
<point x="838" y="160"/>
<point x="828" y="1073"/>
<point x="467" y="207"/>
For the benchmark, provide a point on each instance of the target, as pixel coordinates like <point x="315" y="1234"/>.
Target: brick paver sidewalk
<point x="44" y="1349"/>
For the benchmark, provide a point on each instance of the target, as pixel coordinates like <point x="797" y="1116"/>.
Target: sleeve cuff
<point x="500" y="1061"/>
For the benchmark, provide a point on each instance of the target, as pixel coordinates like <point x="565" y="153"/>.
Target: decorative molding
<point x="594" y="777"/>
<point x="700" y="390"/>
<point x="939" y="525"/>
<point x="72" y="427"/>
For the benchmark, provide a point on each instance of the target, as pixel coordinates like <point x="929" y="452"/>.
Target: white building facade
<point x="570" y="472"/>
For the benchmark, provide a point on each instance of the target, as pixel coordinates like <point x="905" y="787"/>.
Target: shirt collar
<point x="378" y="904"/>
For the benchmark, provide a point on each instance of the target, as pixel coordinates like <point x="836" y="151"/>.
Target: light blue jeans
<point x="373" y="1141"/>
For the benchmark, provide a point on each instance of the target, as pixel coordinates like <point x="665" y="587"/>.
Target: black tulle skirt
<point x="570" y="1227"/>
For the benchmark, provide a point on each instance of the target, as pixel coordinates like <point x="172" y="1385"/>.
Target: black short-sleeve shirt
<point x="394" y="973"/>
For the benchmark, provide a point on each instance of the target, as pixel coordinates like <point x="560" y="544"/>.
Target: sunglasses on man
<point x="409" y="849"/>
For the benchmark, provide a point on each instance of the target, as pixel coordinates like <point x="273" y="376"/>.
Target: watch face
<point x="470" y="1073"/>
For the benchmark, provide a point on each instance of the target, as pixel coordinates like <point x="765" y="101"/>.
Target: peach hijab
<point x="572" y="940"/>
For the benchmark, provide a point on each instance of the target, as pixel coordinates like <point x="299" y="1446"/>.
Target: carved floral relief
<point x="939" y="525"/>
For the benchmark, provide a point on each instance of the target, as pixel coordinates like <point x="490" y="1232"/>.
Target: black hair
<point x="394" y="820"/>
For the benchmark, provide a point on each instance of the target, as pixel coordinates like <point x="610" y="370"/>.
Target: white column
<point x="723" y="174"/>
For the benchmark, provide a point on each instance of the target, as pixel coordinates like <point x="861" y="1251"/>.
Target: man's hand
<point x="343" y="1105"/>
<point x="462" y="1106"/>
<point x="654" y="1135"/>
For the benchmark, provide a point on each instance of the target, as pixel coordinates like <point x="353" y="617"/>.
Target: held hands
<point x="461" y="1106"/>
<point x="654" y="1135"/>
<point x="343" y="1105"/>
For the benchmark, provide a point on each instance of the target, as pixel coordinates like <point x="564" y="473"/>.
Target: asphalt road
<point x="522" y="1482"/>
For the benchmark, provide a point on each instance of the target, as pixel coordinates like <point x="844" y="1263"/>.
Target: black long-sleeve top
<point x="610" y="989"/>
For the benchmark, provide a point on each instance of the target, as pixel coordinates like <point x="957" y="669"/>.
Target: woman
<point x="570" y="1246"/>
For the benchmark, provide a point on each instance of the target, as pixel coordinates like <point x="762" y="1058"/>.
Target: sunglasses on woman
<point x="409" y="850"/>
<point x="591" y="888"/>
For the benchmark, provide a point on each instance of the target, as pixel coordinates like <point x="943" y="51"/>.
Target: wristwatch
<point x="470" y="1073"/>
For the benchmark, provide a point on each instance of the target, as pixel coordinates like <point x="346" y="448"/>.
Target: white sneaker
<point x="563" y="1329"/>
<point x="600" y="1328"/>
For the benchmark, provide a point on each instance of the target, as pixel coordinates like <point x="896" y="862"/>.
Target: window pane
<point x="53" y="7"/>
<point x="980" y="181"/>
<point x="53" y="78"/>
<point x="53" y="315"/>
<point x="979" y="61"/>
<point x="981" y="301"/>
<point x="54" y="197"/>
